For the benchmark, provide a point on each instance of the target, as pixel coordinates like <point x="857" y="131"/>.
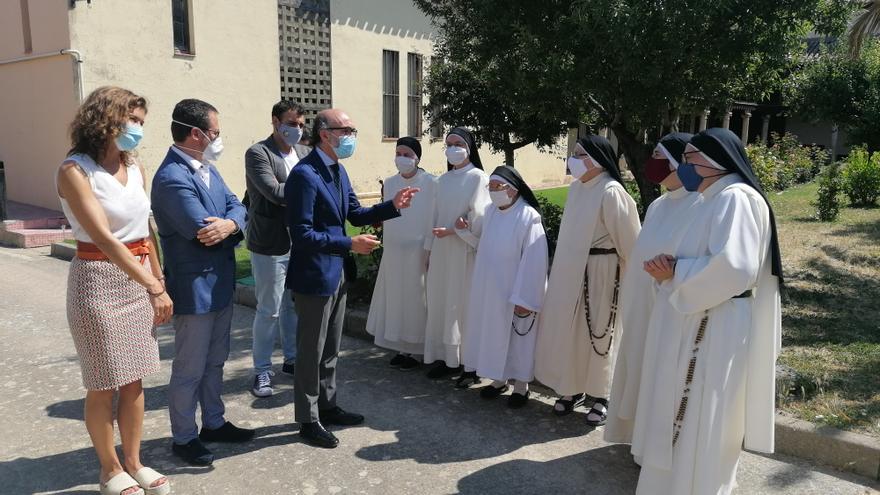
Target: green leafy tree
<point x="487" y="73"/>
<point x="520" y="71"/>
<point x="843" y="90"/>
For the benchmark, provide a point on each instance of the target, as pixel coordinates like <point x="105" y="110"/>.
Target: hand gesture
<point x="403" y="198"/>
<point x="461" y="223"/>
<point x="216" y="231"/>
<point x="661" y="267"/>
<point x="364" y="243"/>
<point x="441" y="232"/>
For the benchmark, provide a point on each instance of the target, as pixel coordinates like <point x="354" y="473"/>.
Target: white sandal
<point x="146" y="477"/>
<point x="119" y="483"/>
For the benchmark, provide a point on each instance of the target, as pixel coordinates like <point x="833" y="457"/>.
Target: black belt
<point x="603" y="251"/>
<point x="745" y="294"/>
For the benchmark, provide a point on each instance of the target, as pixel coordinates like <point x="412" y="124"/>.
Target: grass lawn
<point x="831" y="316"/>
<point x="556" y="195"/>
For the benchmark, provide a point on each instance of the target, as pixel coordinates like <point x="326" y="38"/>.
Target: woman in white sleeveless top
<point x="115" y="290"/>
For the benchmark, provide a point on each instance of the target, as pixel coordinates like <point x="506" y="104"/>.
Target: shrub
<point x="633" y="189"/>
<point x="551" y="215"/>
<point x="828" y="197"/>
<point x="797" y="165"/>
<point x="765" y="163"/>
<point x="820" y="158"/>
<point x="861" y="178"/>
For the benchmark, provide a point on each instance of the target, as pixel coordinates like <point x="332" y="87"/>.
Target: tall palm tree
<point x="865" y="26"/>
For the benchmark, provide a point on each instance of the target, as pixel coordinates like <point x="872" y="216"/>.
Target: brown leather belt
<point x="91" y="252"/>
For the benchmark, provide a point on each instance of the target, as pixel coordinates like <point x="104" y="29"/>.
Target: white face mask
<point x="500" y="198"/>
<point x="213" y="151"/>
<point x="405" y="164"/>
<point x="577" y="167"/>
<point x="456" y="155"/>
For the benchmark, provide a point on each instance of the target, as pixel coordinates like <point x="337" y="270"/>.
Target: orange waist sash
<point x="89" y="251"/>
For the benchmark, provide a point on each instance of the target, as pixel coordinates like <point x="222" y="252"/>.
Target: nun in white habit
<point x="507" y="289"/>
<point x="714" y="333"/>
<point x="665" y="222"/>
<point x="579" y="324"/>
<point x="461" y="201"/>
<point x="398" y="309"/>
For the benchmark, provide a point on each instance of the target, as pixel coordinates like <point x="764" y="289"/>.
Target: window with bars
<point x="305" y="53"/>
<point x="414" y="96"/>
<point x="180" y="13"/>
<point x="390" y="94"/>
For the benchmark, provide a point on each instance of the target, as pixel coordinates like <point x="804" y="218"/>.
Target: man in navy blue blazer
<point x="199" y="221"/>
<point x="319" y="200"/>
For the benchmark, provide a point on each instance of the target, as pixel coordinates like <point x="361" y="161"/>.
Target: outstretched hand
<point x="403" y="198"/>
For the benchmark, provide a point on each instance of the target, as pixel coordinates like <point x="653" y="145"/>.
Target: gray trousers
<point x="201" y="347"/>
<point x="318" y="337"/>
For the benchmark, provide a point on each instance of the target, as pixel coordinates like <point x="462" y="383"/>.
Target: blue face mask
<point x="346" y="147"/>
<point x="690" y="179"/>
<point x="129" y="139"/>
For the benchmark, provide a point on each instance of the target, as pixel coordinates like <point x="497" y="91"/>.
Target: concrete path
<point x="421" y="437"/>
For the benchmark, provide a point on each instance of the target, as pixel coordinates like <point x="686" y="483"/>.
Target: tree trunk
<point x="636" y="154"/>
<point x="508" y="154"/>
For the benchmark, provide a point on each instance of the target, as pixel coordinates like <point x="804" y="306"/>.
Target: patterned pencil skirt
<point x="111" y="321"/>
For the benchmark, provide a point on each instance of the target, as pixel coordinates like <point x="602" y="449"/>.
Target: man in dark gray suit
<point x="267" y="165"/>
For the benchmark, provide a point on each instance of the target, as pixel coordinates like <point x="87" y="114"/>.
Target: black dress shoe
<point x="288" y="369"/>
<point x="315" y="434"/>
<point x="226" y="433"/>
<point x="516" y="401"/>
<point x="337" y="416"/>
<point x="194" y="453"/>
<point x="491" y="392"/>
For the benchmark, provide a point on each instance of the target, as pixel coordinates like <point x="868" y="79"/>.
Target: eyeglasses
<point x="499" y="187"/>
<point x="346" y="131"/>
<point x="215" y="132"/>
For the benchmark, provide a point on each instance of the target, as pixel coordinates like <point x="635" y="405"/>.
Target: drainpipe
<point x="77" y="61"/>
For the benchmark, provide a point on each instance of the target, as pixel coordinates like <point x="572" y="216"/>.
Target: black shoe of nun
<point x="409" y="363"/>
<point x="397" y="361"/>
<point x="467" y="380"/>
<point x="517" y="401"/>
<point x="440" y="370"/>
<point x="564" y="407"/>
<point x="492" y="392"/>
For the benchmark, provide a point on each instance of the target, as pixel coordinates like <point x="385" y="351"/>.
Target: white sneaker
<point x="263" y="384"/>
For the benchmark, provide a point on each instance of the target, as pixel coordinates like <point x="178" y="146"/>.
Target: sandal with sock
<point x="598" y="413"/>
<point x="564" y="407"/>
